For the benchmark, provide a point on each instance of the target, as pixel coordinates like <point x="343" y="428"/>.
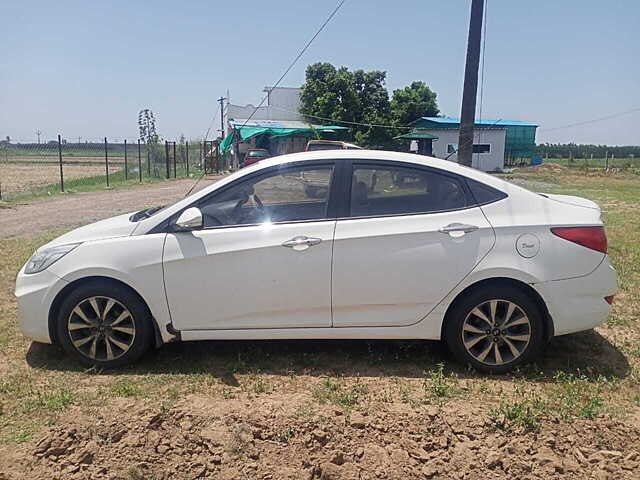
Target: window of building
<point x="481" y="148"/>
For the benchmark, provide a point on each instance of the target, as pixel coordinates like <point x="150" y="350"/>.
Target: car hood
<point x="119" y="226"/>
<point x="571" y="200"/>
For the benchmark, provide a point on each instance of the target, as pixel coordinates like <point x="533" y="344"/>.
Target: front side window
<point x="285" y="195"/>
<point x="388" y="190"/>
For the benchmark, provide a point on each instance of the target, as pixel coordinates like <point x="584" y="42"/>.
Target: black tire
<point x="455" y="321"/>
<point x="140" y="319"/>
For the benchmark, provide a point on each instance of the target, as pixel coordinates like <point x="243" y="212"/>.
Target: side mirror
<point x="190" y="219"/>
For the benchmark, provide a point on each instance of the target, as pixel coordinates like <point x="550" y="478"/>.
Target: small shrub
<point x="524" y="414"/>
<point x="125" y="389"/>
<point x="333" y="391"/>
<point x="437" y="385"/>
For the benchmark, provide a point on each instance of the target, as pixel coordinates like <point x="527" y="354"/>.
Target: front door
<point x="263" y="259"/>
<point x="411" y="237"/>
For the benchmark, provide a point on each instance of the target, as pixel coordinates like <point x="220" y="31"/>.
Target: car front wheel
<point x="104" y="324"/>
<point x="495" y="329"/>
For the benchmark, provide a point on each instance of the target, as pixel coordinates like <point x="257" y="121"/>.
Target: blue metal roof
<point x="496" y="123"/>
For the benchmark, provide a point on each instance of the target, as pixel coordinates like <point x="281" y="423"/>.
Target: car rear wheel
<point x="495" y="329"/>
<point x="104" y="324"/>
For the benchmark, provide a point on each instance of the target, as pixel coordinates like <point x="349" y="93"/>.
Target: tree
<point x="350" y="96"/>
<point x="149" y="136"/>
<point x="361" y="97"/>
<point x="147" y="127"/>
<point x="412" y="102"/>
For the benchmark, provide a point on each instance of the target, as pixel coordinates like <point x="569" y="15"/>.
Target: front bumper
<point x="578" y="304"/>
<point x="35" y="294"/>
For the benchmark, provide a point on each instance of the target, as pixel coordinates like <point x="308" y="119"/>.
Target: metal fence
<point x="34" y="169"/>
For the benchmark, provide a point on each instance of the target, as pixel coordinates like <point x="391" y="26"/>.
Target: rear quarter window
<point x="484" y="194"/>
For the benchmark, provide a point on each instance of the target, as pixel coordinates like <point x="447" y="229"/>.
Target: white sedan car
<point x="340" y="244"/>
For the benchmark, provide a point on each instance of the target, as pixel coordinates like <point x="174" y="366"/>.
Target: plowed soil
<point x="267" y="438"/>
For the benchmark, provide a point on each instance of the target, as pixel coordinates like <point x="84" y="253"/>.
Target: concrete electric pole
<point x="470" y="89"/>
<point x="221" y="101"/>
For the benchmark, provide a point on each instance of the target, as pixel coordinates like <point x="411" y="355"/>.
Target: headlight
<point x="46" y="257"/>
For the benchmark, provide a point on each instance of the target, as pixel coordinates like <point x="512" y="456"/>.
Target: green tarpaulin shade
<point x="250" y="132"/>
<point x="417" y="135"/>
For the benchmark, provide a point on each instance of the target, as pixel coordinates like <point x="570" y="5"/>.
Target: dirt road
<point x="65" y="211"/>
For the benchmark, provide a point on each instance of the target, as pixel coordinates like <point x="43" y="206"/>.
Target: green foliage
<point x="524" y="413"/>
<point x="580" y="396"/>
<point x="361" y="97"/>
<point x="334" y="391"/>
<point x="50" y="401"/>
<point x="437" y="385"/>
<point x="124" y="388"/>
<point x="573" y="150"/>
<point x="412" y="102"/>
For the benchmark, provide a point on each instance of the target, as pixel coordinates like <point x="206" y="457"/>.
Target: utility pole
<point x="38" y="132"/>
<point x="221" y="101"/>
<point x="470" y="90"/>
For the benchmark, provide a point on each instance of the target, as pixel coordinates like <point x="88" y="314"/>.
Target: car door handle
<point x="458" y="228"/>
<point x="301" y="242"/>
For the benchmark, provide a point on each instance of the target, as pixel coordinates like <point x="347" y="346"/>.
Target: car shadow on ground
<point x="586" y="353"/>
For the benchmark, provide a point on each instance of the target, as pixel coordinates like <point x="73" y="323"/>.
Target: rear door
<point x="408" y="236"/>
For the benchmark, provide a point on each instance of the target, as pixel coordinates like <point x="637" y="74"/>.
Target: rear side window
<point x="389" y="190"/>
<point x="483" y="194"/>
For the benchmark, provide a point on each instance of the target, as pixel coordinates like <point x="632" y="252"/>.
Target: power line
<point x="295" y="60"/>
<point x="585" y="122"/>
<point x="333" y="120"/>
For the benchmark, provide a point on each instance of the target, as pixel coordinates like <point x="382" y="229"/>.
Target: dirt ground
<point x="63" y="211"/>
<point x="22" y="178"/>
<point x="271" y="438"/>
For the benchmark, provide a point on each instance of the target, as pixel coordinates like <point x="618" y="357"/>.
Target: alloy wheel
<point x="496" y="332"/>
<point x="101" y="328"/>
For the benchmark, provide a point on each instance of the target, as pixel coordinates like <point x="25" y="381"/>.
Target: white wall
<point x="482" y="161"/>
<point x="283" y="104"/>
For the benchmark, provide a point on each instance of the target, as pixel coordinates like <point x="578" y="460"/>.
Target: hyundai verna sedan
<point x="395" y="246"/>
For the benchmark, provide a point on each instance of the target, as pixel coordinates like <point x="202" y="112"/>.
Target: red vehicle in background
<point x="254" y="155"/>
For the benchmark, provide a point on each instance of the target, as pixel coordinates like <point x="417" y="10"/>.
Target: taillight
<point x="590" y="237"/>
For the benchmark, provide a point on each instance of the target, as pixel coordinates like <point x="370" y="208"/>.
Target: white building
<point x="283" y="103"/>
<point x="277" y="125"/>
<point x="488" y="147"/>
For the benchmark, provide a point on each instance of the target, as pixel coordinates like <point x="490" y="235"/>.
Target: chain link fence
<point x="38" y="169"/>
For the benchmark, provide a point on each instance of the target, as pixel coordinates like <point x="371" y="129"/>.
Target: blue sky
<point x="86" y="68"/>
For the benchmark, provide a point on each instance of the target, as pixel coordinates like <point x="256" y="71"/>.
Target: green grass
<point x="438" y="386"/>
<point x="515" y="413"/>
<point x="596" y="162"/>
<point x="339" y="393"/>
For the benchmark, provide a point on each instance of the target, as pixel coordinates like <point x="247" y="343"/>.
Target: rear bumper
<point x="578" y="303"/>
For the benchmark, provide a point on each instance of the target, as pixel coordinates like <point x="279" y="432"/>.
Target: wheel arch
<point x="497" y="282"/>
<point x="57" y="301"/>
